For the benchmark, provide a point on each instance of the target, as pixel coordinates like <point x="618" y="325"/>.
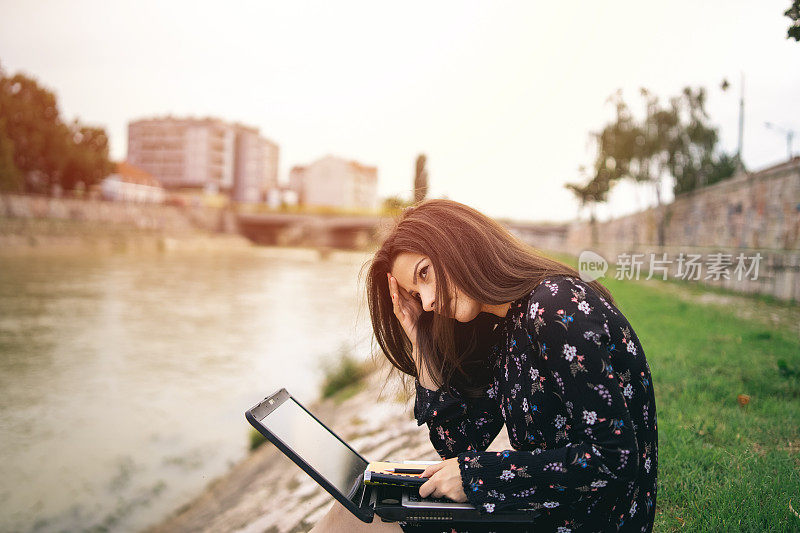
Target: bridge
<point x="334" y="231"/>
<point x="360" y="231"/>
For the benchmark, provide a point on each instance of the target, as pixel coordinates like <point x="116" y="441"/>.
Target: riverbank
<point x="266" y="492"/>
<point x="44" y="225"/>
<point x="33" y="237"/>
<point x="726" y="385"/>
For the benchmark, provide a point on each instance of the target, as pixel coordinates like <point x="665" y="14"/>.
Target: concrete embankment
<point x="44" y="236"/>
<point x="266" y="492"/>
<point x="35" y="224"/>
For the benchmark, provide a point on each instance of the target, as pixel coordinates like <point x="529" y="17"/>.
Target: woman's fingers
<point x="398" y="298"/>
<point x="432" y="469"/>
<point x="403" y="307"/>
<point x="445" y="480"/>
<point x="393" y="294"/>
<point x="427" y="488"/>
<point x="410" y="301"/>
<point x="403" y="297"/>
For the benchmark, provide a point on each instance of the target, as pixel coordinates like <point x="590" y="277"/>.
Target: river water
<point x="125" y="378"/>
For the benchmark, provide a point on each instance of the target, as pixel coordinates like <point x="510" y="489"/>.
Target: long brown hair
<point x="477" y="255"/>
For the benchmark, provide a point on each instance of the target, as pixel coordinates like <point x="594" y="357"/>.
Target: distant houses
<point x="131" y="184"/>
<point x="336" y="182"/>
<point x="210" y="161"/>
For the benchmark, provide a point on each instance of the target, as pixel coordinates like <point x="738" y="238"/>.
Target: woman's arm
<point x="457" y="424"/>
<point x="603" y="455"/>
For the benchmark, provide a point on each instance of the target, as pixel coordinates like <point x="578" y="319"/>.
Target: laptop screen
<point x="315" y="444"/>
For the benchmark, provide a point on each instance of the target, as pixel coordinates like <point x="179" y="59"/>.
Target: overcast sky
<point x="501" y="96"/>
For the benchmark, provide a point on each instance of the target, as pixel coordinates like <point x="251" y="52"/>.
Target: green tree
<point x="617" y="142"/>
<point x="614" y="142"/>
<point x="393" y="204"/>
<point x="87" y="162"/>
<point x="689" y="150"/>
<point x="595" y="191"/>
<point x="675" y="140"/>
<point x="46" y="150"/>
<point x="11" y="179"/>
<point x="420" y="179"/>
<point x="794" y="14"/>
<point x="33" y="125"/>
<point x="723" y="167"/>
<point x="693" y="159"/>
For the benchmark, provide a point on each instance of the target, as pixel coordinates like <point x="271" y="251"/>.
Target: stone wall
<point x="750" y="213"/>
<point x="158" y="217"/>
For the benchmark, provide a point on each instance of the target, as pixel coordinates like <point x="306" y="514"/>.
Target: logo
<point x="591" y="266"/>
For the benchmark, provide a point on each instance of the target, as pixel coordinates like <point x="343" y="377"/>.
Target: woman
<point x="495" y="334"/>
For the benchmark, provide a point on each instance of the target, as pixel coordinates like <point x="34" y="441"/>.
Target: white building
<point x="335" y="182"/>
<point x="131" y="184"/>
<point x="205" y="153"/>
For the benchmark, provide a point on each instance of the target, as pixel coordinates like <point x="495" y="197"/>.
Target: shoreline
<point x="24" y="237"/>
<point x="266" y="492"/>
<point x="38" y="236"/>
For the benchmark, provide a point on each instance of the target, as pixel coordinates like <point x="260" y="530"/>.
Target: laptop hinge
<point x="364" y="498"/>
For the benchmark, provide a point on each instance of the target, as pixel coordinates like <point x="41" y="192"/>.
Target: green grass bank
<point x="723" y="466"/>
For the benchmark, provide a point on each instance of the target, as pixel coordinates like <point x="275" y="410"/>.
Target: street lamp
<point x="789" y="135"/>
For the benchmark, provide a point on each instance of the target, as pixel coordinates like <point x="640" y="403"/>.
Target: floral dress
<point x="573" y="388"/>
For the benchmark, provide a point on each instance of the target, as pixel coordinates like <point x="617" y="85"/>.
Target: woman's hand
<point x="445" y="480"/>
<point x="406" y="308"/>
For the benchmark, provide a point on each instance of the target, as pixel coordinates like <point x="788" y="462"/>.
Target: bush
<point x="256" y="439"/>
<point x="343" y="375"/>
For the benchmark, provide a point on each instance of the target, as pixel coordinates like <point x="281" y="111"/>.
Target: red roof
<point x="132" y="174"/>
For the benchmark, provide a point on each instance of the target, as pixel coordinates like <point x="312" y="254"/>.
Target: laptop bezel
<point x="259" y="412"/>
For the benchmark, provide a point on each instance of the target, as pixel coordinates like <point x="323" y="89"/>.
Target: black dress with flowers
<point x="572" y="385"/>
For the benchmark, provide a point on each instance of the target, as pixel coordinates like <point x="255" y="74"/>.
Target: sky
<point x="502" y="97"/>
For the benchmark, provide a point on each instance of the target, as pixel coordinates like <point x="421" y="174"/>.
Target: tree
<point x="794" y="14"/>
<point x="693" y="160"/>
<point x="393" y="204"/>
<point x="32" y="123"/>
<point x="420" y="179"/>
<point x="87" y="162"/>
<point x="46" y="151"/>
<point x="723" y="167"/>
<point x="11" y="179"/>
<point x="674" y="139"/>
<point x="617" y="143"/>
<point x="591" y="194"/>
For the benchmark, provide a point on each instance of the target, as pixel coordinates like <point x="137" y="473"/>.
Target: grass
<point x="343" y="376"/>
<point x="722" y="466"/>
<point x="256" y="439"/>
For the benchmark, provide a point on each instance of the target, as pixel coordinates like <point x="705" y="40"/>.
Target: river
<point x="125" y="378"/>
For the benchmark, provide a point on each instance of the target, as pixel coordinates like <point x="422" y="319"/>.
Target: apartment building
<point x="205" y="153"/>
<point x="255" y="166"/>
<point x="336" y="182"/>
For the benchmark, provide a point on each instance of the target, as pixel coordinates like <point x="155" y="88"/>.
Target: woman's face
<point x="415" y="274"/>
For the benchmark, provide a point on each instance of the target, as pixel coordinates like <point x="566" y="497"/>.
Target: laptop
<point x="340" y="469"/>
